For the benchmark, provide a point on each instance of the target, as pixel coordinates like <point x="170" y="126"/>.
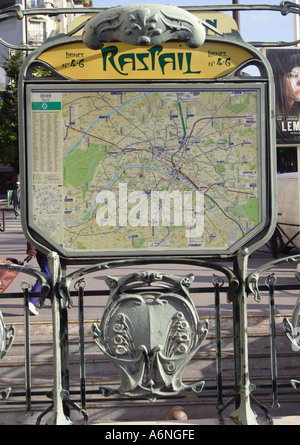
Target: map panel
<point x="161" y="170"/>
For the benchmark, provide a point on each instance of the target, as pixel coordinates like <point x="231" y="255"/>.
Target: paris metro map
<point x="161" y="169"/>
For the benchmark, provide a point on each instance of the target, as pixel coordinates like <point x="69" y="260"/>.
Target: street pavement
<point x="13" y="245"/>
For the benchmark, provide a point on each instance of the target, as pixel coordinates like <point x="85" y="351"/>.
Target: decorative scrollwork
<point x="143" y="25"/>
<point x="6" y="337"/>
<point x="6" y="340"/>
<point x="291" y="327"/>
<point x="122" y="340"/>
<point x="150" y="337"/>
<point x="292" y="331"/>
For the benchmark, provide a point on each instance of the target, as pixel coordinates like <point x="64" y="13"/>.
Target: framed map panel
<point x="137" y="170"/>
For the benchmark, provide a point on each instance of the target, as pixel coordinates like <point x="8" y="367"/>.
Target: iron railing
<point x="222" y="391"/>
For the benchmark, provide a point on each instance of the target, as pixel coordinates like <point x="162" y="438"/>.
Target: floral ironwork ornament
<point x="150" y="336"/>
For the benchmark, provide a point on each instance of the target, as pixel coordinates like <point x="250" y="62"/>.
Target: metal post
<point x="26" y="287"/>
<point x="236" y="14"/>
<point x="243" y="414"/>
<point x="58" y="417"/>
<point x="80" y="285"/>
<point x="296" y="25"/>
<point x="217" y="284"/>
<point x="64" y="346"/>
<point x="270" y="282"/>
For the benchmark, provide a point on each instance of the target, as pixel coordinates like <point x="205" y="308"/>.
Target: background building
<point x="31" y="30"/>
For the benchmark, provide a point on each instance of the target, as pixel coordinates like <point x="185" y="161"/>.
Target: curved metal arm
<point x="43" y="279"/>
<point x="65" y="284"/>
<point x="253" y="277"/>
<point x="17" y="11"/>
<point x="274" y="44"/>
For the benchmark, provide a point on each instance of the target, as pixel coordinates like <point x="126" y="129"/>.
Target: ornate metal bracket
<point x="144" y="25"/>
<point x="252" y="280"/>
<point x="6" y="340"/>
<point x="7" y="337"/>
<point x="292" y="330"/>
<point x="291" y="327"/>
<point x="150" y="336"/>
<point x="36" y="274"/>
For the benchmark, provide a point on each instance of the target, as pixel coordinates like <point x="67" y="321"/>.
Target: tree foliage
<point x="9" y="112"/>
<point x="9" y="143"/>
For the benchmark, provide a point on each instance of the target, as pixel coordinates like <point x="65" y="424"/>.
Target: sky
<point x="255" y="26"/>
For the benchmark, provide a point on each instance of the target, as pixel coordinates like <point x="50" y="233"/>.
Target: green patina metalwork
<point x="151" y="361"/>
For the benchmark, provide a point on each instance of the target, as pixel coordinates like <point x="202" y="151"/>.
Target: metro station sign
<point x="121" y="61"/>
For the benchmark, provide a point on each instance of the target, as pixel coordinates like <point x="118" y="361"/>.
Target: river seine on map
<point x="146" y="170"/>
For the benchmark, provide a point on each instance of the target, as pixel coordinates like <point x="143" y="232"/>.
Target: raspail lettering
<point x="159" y="208"/>
<point x="152" y="59"/>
